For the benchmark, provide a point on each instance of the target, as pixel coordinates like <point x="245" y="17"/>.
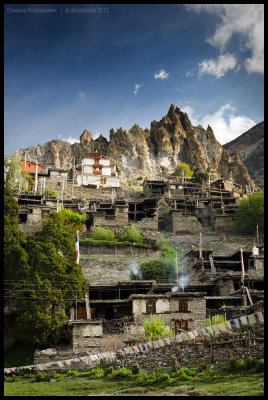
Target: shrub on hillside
<point x="131" y="234"/>
<point x="100" y="233"/>
<point x="161" y="242"/>
<point x="155" y="328"/>
<point x="159" y="270"/>
<point x="51" y="192"/>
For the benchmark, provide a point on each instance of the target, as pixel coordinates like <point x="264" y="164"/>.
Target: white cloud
<point x="69" y="139"/>
<point x="225" y="124"/>
<point x="81" y="95"/>
<point x="137" y="87"/>
<point x="190" y="73"/>
<point x="190" y="112"/>
<point x="246" y="20"/>
<point x="96" y="135"/>
<point x="219" y="67"/>
<point x="162" y="74"/>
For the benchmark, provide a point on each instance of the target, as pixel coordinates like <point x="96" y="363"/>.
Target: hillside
<point x="250" y="148"/>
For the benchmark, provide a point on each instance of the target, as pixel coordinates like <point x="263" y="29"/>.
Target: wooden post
<point x="87" y="305"/>
<point x="76" y="306"/>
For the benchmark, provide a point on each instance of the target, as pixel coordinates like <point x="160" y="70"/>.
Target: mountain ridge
<point x="250" y="148"/>
<point x="155" y="151"/>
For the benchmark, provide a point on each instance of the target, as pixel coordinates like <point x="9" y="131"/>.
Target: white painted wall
<point x="105" y="162"/>
<point x="88" y="161"/>
<point x="138" y="307"/>
<point x="87" y="169"/>
<point x="106" y="171"/>
<point x="161" y="305"/>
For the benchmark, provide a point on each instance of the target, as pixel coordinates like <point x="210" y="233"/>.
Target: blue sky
<point x="73" y="67"/>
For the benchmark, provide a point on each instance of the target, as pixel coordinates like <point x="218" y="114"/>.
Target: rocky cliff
<point x="250" y="148"/>
<point x="154" y="151"/>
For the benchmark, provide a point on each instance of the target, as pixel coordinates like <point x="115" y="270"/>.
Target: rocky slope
<point x="153" y="151"/>
<point x="250" y="148"/>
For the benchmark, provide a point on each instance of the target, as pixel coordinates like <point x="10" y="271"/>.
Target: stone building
<point x="34" y="208"/>
<point x="97" y="170"/>
<point x="121" y="309"/>
<point x="220" y="276"/>
<point x="193" y="205"/>
<point x="119" y="213"/>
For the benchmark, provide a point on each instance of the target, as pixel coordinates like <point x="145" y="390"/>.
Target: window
<point x="183" y="305"/>
<point x="150" y="306"/>
<point x="103" y="181"/>
<point x="181" y="325"/>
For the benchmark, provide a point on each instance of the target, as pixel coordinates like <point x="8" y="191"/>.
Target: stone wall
<point x="87" y="334"/>
<point x="127" y="250"/>
<point x="34" y="221"/>
<point x="213" y="351"/>
<point x="224" y="222"/>
<point x="216" y="343"/>
<point x="185" y="223"/>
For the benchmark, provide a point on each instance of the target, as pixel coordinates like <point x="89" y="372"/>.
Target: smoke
<point x="135" y="270"/>
<point x="183" y="277"/>
<point x="183" y="281"/>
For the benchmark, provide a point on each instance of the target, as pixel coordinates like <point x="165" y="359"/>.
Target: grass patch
<point x="99" y="381"/>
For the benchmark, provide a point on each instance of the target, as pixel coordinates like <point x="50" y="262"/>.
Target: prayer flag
<point x="36" y="177"/>
<point x="77" y="248"/>
<point x="200" y="248"/>
<point x="242" y="266"/>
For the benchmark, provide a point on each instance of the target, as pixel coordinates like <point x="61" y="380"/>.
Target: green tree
<point x="186" y="170"/>
<point x="131" y="234"/>
<point x="15" y="256"/>
<point x="250" y="214"/>
<point x="160" y="270"/>
<point x="27" y="182"/>
<point x="12" y="170"/>
<point x="52" y="283"/>
<point x="199" y="176"/>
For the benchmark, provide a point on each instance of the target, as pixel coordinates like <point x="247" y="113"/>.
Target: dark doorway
<point x="109" y="313"/>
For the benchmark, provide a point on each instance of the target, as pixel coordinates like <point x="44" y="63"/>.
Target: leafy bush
<point x="169" y="253"/>
<point x="259" y="365"/>
<point x="47" y="376"/>
<point x="131" y="234"/>
<point x="181" y="374"/>
<point x="240" y="365"/>
<point x="156" y="328"/>
<point x="100" y="233"/>
<point x="140" y="178"/>
<point x="159" y="270"/>
<point x="216" y="319"/>
<point x="161" y="242"/>
<point x="96" y="372"/>
<point x="51" y="192"/>
<point x="70" y="217"/>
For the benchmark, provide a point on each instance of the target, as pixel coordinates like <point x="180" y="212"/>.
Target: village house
<point x="96" y="170"/>
<point x="122" y="308"/>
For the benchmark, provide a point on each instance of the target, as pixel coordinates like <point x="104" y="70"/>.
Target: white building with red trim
<point x="98" y="170"/>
